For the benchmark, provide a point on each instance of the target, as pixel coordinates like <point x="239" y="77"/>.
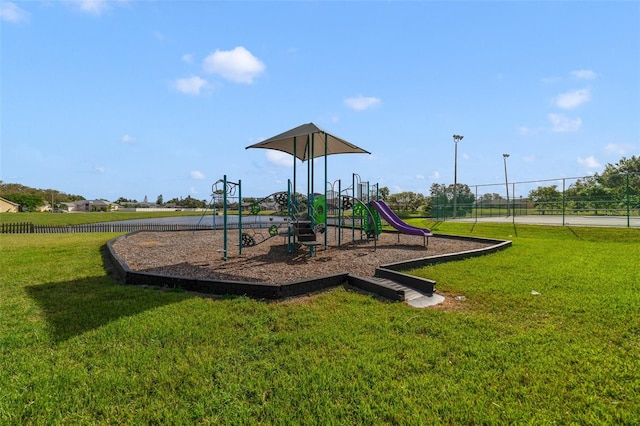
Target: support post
<point x="224" y="216"/>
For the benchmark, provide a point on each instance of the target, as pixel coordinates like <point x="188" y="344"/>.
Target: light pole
<point x="456" y="139"/>
<point x="506" y="181"/>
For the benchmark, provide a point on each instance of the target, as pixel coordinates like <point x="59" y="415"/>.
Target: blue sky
<point x="111" y="99"/>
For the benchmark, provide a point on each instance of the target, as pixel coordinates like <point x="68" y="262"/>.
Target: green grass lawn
<point x="92" y="217"/>
<point x="77" y="347"/>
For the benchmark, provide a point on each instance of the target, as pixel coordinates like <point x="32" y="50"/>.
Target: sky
<point x="135" y="99"/>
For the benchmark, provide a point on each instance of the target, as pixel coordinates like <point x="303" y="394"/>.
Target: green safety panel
<point x="255" y="209"/>
<point x="319" y="209"/>
<point x="377" y="220"/>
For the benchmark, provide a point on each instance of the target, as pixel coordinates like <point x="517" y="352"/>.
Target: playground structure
<point x="304" y="217"/>
<point x="301" y="219"/>
<point x="402" y="227"/>
<point x="223" y="192"/>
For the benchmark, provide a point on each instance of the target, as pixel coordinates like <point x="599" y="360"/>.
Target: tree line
<point x="616" y="187"/>
<point x="32" y="198"/>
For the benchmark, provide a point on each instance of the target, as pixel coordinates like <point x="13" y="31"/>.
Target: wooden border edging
<point x="296" y="288"/>
<point x="221" y="287"/>
<point x="441" y="258"/>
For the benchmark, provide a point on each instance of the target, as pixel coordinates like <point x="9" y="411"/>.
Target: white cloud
<point x="100" y="169"/>
<point x="360" y="103"/>
<point x="197" y="175"/>
<point x="523" y="130"/>
<point x="617" y="149"/>
<point x="11" y="12"/>
<point x="96" y="7"/>
<point x="420" y="177"/>
<point x="589" y="162"/>
<point x="564" y="124"/>
<point x="191" y="86"/>
<point x="237" y="65"/>
<point x="92" y="7"/>
<point x="187" y="57"/>
<point x="279" y="158"/>
<point x="128" y="138"/>
<point x="573" y="99"/>
<point x="435" y="175"/>
<point x="584" y="74"/>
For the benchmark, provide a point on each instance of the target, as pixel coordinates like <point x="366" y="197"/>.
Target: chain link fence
<point x="563" y="201"/>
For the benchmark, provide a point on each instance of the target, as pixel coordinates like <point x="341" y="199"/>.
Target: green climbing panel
<point x="319" y="209"/>
<point x="377" y="221"/>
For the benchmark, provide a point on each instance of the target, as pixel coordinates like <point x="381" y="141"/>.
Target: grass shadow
<point x="74" y="307"/>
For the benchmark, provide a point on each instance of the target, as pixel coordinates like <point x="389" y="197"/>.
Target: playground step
<point x="409" y="293"/>
<point x="412" y="296"/>
<point x="310" y="243"/>
<point x="304" y="231"/>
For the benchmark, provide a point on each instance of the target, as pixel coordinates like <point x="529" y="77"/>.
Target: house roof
<point x="9" y="202"/>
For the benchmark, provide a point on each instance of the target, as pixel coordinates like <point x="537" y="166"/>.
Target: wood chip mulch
<point x="200" y="254"/>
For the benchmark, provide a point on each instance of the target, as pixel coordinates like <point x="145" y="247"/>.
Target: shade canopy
<point x="308" y="142"/>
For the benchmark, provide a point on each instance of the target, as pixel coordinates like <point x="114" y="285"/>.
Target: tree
<point x="384" y="193"/>
<point x="546" y="197"/>
<point x="442" y="200"/>
<point x="406" y="201"/>
<point x="189" y="202"/>
<point x="622" y="179"/>
<point x="426" y="207"/>
<point x="28" y="202"/>
<point x="159" y="200"/>
<point x="588" y="194"/>
<point x="124" y="202"/>
<point x="609" y="190"/>
<point x="50" y="195"/>
<point x="491" y="198"/>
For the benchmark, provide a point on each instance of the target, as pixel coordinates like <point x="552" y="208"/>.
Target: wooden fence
<point x="30" y="228"/>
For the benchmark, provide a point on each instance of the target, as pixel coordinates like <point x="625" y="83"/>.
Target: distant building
<point x="87" y="205"/>
<point x="46" y="207"/>
<point x="7" y="206"/>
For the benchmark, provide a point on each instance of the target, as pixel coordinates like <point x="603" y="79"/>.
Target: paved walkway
<point x="607" y="221"/>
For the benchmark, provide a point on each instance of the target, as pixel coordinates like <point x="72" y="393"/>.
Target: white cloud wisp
<point x="191" y="86"/>
<point x="562" y="124"/>
<point x="11" y="12"/>
<point x="360" y="103"/>
<point x="238" y="65"/>
<point x="573" y="99"/>
<point x="589" y="162"/>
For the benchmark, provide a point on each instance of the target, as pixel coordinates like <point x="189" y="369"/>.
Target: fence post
<point x="476" y="203"/>
<point x="563" y="199"/>
<point x="628" y="203"/>
<point x="513" y="203"/>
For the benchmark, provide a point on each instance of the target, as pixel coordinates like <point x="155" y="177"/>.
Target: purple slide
<point x="392" y="219"/>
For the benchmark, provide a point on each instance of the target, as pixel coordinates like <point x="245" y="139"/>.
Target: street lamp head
<point x="457" y="138"/>
<point x="505" y="155"/>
